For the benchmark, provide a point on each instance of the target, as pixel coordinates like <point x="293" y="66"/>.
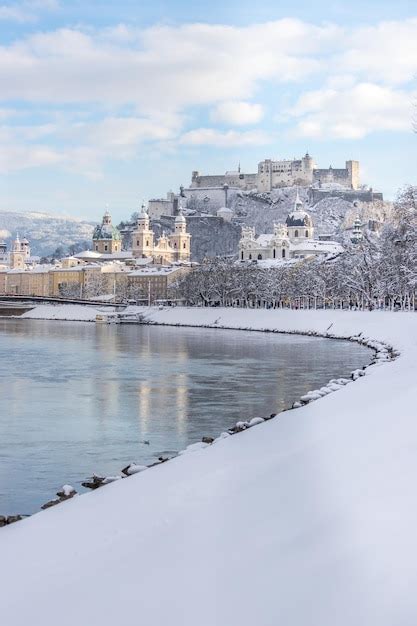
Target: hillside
<point x="331" y="215"/>
<point x="45" y="232"/>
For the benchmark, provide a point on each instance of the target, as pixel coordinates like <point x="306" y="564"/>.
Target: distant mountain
<point x="45" y="232"/>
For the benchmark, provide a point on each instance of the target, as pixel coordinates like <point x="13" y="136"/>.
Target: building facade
<point x="169" y="248"/>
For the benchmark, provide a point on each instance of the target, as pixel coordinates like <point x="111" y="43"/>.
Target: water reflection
<point x="77" y="398"/>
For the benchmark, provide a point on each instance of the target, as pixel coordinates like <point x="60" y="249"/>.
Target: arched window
<point x="250" y="257"/>
<point x="241" y="255"/>
<point x="259" y="257"/>
<point x="274" y="253"/>
<point x="147" y="242"/>
<point x="184" y="245"/>
<point x="137" y="242"/>
<point x="296" y="233"/>
<point x="175" y="244"/>
<point x="306" y="233"/>
<point x="283" y="253"/>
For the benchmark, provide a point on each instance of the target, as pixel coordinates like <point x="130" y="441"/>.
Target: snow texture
<point x="306" y="519"/>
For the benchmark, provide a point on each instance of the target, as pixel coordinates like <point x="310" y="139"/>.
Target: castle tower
<point x="143" y="236"/>
<point x="353" y="173"/>
<point x="181" y="240"/>
<point x="106" y="237"/>
<point x="19" y="253"/>
<point x="308" y="166"/>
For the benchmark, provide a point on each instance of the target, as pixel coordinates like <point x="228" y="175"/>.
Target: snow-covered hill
<point x="45" y="232"/>
<point x="331" y="215"/>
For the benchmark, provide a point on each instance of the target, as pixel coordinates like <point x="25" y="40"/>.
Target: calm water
<point x="81" y="398"/>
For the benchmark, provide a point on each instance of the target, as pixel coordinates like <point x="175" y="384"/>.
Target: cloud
<point x="164" y="67"/>
<point x="237" y="113"/>
<point x="353" y="112"/>
<point x="228" y="139"/>
<point x="25" y="11"/>
<point x="386" y="52"/>
<point x="109" y="91"/>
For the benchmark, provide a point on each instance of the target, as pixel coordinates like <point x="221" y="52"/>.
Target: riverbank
<point x="307" y="518"/>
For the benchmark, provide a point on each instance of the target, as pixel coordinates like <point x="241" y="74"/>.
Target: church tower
<point x="19" y="254"/>
<point x="181" y="240"/>
<point x="143" y="236"/>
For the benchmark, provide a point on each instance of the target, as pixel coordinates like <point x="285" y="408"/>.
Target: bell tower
<point x="143" y="236"/>
<point x="181" y="240"/>
<point x="19" y="253"/>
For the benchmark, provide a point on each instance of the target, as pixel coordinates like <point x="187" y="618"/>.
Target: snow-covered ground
<point x="71" y="312"/>
<point x="307" y="519"/>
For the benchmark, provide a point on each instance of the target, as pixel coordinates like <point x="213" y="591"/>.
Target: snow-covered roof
<point x="316" y="247"/>
<point x="265" y="239"/>
<point x="88" y="254"/>
<point x="154" y="271"/>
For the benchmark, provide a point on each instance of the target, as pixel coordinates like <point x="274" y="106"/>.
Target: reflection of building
<point x="292" y="240"/>
<point x="167" y="249"/>
<point x="106" y="237"/>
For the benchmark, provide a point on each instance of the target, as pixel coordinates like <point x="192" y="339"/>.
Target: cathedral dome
<point x="106" y="230"/>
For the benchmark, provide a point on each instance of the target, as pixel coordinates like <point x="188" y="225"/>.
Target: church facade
<point x="168" y="248"/>
<point x="294" y="239"/>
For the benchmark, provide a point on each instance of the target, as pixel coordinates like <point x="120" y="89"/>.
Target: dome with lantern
<point x="106" y="230"/>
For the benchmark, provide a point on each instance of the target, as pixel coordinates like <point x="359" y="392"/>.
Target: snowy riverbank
<point x="305" y="519"/>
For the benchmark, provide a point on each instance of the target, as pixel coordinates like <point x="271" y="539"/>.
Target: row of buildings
<point x="148" y="271"/>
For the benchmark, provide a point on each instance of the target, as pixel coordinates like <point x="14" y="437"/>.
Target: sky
<point x="112" y="103"/>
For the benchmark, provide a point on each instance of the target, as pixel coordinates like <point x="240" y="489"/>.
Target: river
<point x="78" y="398"/>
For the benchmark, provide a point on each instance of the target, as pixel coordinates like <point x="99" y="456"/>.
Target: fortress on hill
<point x="284" y="173"/>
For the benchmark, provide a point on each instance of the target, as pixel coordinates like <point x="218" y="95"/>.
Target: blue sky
<point x="111" y="103"/>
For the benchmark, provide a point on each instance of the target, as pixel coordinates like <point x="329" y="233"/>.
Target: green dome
<point x="106" y="230"/>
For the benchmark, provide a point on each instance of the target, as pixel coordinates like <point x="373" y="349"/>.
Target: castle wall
<point x="209" y="198"/>
<point x="350" y="195"/>
<point x="233" y="179"/>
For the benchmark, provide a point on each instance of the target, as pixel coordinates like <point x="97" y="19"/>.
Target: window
<point x="296" y="233"/>
<point x="250" y="257"/>
<point x="147" y="242"/>
<point x="259" y="257"/>
<point x="306" y="233"/>
<point x="241" y="255"/>
<point x="275" y="253"/>
<point x="184" y="245"/>
<point x="283" y="253"/>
